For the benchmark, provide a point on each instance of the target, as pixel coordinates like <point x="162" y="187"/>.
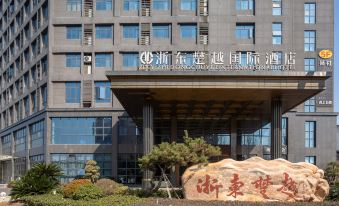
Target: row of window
<point x="102" y="60"/>
<point x="73" y="92"/>
<point x="20" y="138"/>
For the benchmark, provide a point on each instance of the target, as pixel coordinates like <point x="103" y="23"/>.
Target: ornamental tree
<point x="168" y="155"/>
<point x="92" y="171"/>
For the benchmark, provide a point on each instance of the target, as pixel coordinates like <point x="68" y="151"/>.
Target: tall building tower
<point x="108" y="79"/>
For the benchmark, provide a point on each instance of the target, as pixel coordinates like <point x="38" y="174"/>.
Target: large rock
<point x="255" y="179"/>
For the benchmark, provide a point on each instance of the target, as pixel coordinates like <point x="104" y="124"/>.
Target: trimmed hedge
<point x="58" y="200"/>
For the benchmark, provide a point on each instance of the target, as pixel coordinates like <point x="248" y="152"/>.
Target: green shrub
<point x="58" y="200"/>
<point x="41" y="179"/>
<point x="69" y="189"/>
<point x="110" y="187"/>
<point x="334" y="192"/>
<point x="88" y="192"/>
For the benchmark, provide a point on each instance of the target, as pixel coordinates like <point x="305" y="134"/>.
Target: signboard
<point x="325" y="63"/>
<point x="214" y="61"/>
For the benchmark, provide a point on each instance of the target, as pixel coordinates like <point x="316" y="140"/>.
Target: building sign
<point x="325" y="63"/>
<point x="199" y="60"/>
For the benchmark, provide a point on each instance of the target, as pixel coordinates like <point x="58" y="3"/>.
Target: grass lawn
<point x="57" y="200"/>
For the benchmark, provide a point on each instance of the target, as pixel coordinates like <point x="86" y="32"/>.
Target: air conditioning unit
<point x="87" y="59"/>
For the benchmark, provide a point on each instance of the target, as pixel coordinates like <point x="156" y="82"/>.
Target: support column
<point x="276" y="131"/>
<point x="148" y="141"/>
<point x="234" y="138"/>
<point x="175" y="176"/>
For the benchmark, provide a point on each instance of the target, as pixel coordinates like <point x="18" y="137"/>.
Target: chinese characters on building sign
<point x="210" y="185"/>
<point x="325" y="63"/>
<point x="217" y="61"/>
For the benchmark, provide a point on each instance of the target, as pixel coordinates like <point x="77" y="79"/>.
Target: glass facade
<point x="310" y="159"/>
<point x="36" y="159"/>
<point x="82" y="130"/>
<point x="103" y="31"/>
<point x="277" y="33"/>
<point x="276" y="7"/>
<point x="73" y="32"/>
<point x="102" y="92"/>
<point x="244" y="5"/>
<point x="103" y="60"/>
<point x="73" y="165"/>
<point x="309" y="41"/>
<point x="130" y="5"/>
<point x="310" y="134"/>
<point x="104" y="5"/>
<point x="188" y="31"/>
<point x="37" y="134"/>
<point x="309" y="105"/>
<point x="309" y="64"/>
<point x="161" y="5"/>
<point x="130" y="59"/>
<point x="188" y="5"/>
<point x="20" y="140"/>
<point x="73" y="92"/>
<point x="128" y="132"/>
<point x="161" y="31"/>
<point x="6" y="144"/>
<point x="310" y="13"/>
<point x="131" y="31"/>
<point x="73" y="60"/>
<point x="128" y="168"/>
<point x="244" y="31"/>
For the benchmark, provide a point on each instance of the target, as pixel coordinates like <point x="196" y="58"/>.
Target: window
<point x="128" y="168"/>
<point x="102" y="92"/>
<point x="188" y="5"/>
<point x="73" y="60"/>
<point x="73" y="92"/>
<point x="131" y="31"/>
<point x="245" y="5"/>
<point x="310" y="13"/>
<point x="103" y="31"/>
<point x="36" y="159"/>
<point x="276" y="7"/>
<point x="6" y="144"/>
<point x="103" y="60"/>
<point x="73" y="32"/>
<point x="26" y="105"/>
<point x="73" y="165"/>
<point x="309" y="40"/>
<point x="188" y="31"/>
<point x="44" y="96"/>
<point x="130" y="59"/>
<point x="104" y="5"/>
<point x="244" y="31"/>
<point x="310" y="159"/>
<point x="34" y="102"/>
<point x="277" y="33"/>
<point x="284" y="130"/>
<point x="309" y="64"/>
<point x="310" y="134"/>
<point x="81" y="130"/>
<point x="37" y="134"/>
<point x="73" y="5"/>
<point x="20" y="140"/>
<point x="161" y="5"/>
<point x="161" y="31"/>
<point x="309" y="105"/>
<point x="130" y="5"/>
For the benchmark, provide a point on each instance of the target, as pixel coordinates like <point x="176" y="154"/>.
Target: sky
<point x="336" y="57"/>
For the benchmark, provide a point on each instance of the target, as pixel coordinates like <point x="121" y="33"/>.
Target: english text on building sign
<point x="199" y="60"/>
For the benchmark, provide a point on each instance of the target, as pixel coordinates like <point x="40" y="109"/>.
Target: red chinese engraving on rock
<point x="289" y="186"/>
<point x="208" y="186"/>
<point x="262" y="184"/>
<point x="235" y="187"/>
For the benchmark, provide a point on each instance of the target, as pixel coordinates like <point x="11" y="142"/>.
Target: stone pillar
<point x="234" y="138"/>
<point x="148" y="141"/>
<point x="276" y="131"/>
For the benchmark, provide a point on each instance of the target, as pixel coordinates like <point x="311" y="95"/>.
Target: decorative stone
<point x="255" y="179"/>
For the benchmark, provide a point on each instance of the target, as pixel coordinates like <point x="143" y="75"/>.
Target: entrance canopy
<point x="213" y="94"/>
